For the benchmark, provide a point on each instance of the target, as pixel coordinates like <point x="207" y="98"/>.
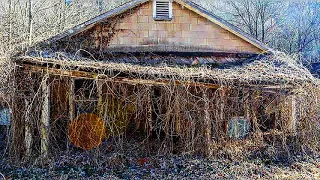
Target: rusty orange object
<point x="143" y="161"/>
<point x="87" y="131"/>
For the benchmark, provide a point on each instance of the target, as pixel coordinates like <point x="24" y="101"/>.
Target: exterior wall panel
<point x="185" y="29"/>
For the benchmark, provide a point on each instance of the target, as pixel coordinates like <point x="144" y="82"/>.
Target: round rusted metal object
<point x="87" y="131"/>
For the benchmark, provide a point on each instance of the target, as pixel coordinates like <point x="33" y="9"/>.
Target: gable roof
<point x="186" y="3"/>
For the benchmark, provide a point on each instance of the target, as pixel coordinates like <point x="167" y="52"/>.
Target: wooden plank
<point x="100" y="98"/>
<point x="131" y="81"/>
<point x="207" y="124"/>
<point x="294" y="115"/>
<point x="149" y="108"/>
<point x="176" y="49"/>
<point x="27" y="133"/>
<point x="177" y="110"/>
<point x="45" y="116"/>
<point x="71" y="100"/>
<point x="290" y="112"/>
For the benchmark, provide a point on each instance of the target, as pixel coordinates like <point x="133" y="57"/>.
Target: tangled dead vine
<point x="169" y="109"/>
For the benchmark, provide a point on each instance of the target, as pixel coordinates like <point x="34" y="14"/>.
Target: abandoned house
<point x="167" y="73"/>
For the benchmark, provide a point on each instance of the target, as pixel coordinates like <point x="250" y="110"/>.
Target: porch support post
<point x="71" y="100"/>
<point x="254" y="101"/>
<point x="45" y="116"/>
<point x="293" y="117"/>
<point x="207" y="123"/>
<point x="288" y="114"/>
<point x="101" y="105"/>
<point x="149" y="108"/>
<point x="71" y="105"/>
<point x="27" y="133"/>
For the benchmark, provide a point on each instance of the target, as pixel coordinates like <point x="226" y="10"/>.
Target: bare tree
<point x="30" y="22"/>
<point x="299" y="30"/>
<point x="100" y="5"/>
<point x="256" y="17"/>
<point x="62" y="15"/>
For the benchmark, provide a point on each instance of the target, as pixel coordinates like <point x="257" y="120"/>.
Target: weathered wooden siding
<point x="136" y="31"/>
<point x="186" y="29"/>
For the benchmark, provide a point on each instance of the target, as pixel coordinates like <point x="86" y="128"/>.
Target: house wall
<point x="187" y="29"/>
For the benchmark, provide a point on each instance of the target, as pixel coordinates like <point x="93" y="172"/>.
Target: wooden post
<point x="45" y="116"/>
<point x="177" y="110"/>
<point x="71" y="100"/>
<point x="27" y="133"/>
<point x="71" y="105"/>
<point x="207" y="123"/>
<point x="246" y="104"/>
<point x="258" y="136"/>
<point x="288" y="121"/>
<point x="100" y="98"/>
<point x="149" y="109"/>
<point x="222" y="128"/>
<point x="292" y="115"/>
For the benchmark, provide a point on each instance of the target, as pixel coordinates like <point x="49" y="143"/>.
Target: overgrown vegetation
<point x="179" y="113"/>
<point x="176" y="123"/>
<point x="187" y="113"/>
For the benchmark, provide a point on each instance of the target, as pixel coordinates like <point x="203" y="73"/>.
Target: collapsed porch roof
<point x="270" y="70"/>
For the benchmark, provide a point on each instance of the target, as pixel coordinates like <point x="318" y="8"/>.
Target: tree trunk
<point x="62" y="15"/>
<point x="10" y="23"/>
<point x="99" y="4"/>
<point x="30" y="22"/>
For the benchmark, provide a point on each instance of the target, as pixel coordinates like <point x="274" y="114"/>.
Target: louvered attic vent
<point x="162" y="10"/>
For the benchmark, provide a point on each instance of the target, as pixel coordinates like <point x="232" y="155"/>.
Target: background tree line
<point x="289" y="26"/>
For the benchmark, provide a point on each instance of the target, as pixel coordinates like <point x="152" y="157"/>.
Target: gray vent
<point x="162" y="10"/>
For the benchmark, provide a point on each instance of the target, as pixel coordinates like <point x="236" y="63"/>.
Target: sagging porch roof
<point x="263" y="70"/>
